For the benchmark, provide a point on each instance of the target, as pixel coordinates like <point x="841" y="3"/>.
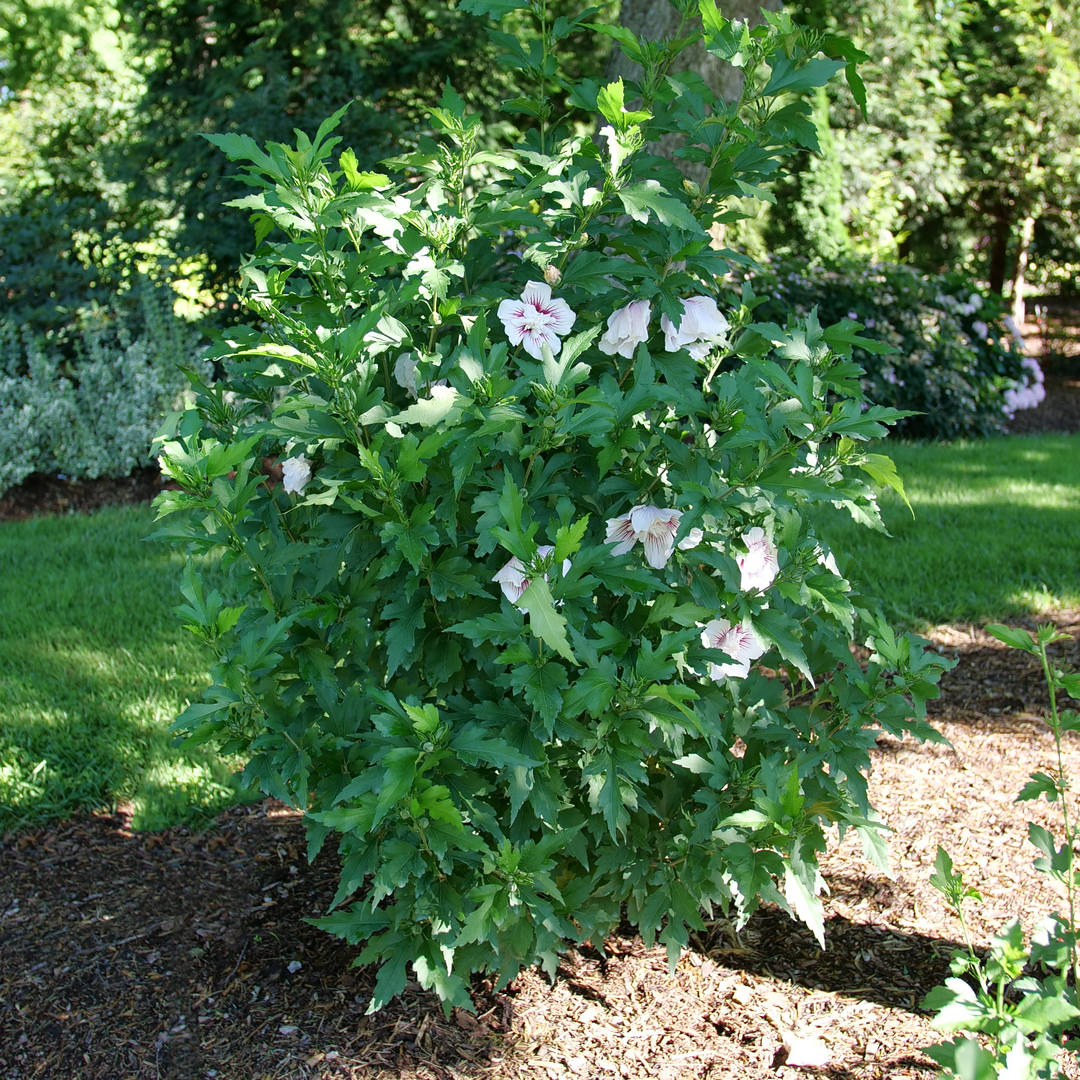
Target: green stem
<point x="976" y="964"/>
<point x="655" y="77"/>
<point x="1055" y="726"/>
<point x="542" y="96"/>
<point x="238" y="546"/>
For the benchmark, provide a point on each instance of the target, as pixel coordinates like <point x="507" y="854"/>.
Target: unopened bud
<point x="552" y="275"/>
<point x="691" y="188"/>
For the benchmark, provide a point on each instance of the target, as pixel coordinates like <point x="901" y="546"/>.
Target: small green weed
<point x="1023" y="1019"/>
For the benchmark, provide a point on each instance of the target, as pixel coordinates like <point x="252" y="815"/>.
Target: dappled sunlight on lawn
<point x="96" y="667"/>
<point x="1042" y="600"/>
<point x="995" y="533"/>
<point x="1041" y="496"/>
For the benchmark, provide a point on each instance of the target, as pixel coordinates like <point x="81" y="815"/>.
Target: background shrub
<point x="96" y="415"/>
<point x="955" y="356"/>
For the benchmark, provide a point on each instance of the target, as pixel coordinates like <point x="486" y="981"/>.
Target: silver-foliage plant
<point x="535" y="626"/>
<point x="96" y="416"/>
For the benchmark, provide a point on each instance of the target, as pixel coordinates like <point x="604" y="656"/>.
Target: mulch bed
<point x="182" y="955"/>
<point x="178" y="955"/>
<point x="40" y="494"/>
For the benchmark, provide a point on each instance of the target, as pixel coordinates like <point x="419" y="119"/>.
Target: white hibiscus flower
<point x="738" y="641"/>
<point x="512" y="577"/>
<point x="536" y="319"/>
<point x="627" y="329"/>
<point x="701" y="330"/>
<point x="654" y="527"/>
<point x="758" y="565"/>
<point x="296" y="472"/>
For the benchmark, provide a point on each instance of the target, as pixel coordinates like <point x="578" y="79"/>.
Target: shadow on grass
<point x="95" y="668"/>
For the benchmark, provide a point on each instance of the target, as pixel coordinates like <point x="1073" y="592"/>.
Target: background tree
<point x="656" y="21"/>
<point x="103" y="170"/>
<point x="970" y="152"/>
<point x="1015" y="123"/>
<point x="268" y="69"/>
<point x="875" y="182"/>
<point x="73" y="83"/>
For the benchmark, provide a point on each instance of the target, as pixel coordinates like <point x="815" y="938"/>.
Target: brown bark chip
<point x="174" y="955"/>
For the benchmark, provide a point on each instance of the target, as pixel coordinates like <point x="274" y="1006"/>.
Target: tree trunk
<point x="655" y="19"/>
<point x="999" y="252"/>
<point x="1027" y="234"/>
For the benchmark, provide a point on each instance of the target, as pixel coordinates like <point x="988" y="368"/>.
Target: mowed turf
<point x="93" y="668"/>
<point x="995" y="534"/>
<point x="94" y="665"/>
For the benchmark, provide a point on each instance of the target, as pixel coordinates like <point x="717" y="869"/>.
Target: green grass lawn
<point x="996" y="531"/>
<point x="93" y="668"/>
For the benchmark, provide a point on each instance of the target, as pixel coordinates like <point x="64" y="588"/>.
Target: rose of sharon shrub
<point x="538" y="631"/>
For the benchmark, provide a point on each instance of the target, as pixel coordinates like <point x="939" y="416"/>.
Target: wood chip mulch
<point x="177" y="955"/>
<point x="42" y="494"/>
<point x="184" y="956"/>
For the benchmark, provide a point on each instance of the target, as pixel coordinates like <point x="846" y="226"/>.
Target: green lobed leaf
<point x="648" y="196"/>
<point x="544" y="621"/>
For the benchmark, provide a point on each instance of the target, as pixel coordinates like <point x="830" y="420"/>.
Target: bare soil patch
<point x="186" y="956"/>
<point x="41" y="494"/>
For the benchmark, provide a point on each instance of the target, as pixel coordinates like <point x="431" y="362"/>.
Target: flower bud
<point x="691" y="188"/>
<point x="552" y="274"/>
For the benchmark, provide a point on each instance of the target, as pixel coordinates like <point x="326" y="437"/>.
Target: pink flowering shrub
<point x="956" y="363"/>
<point x="537" y="631"/>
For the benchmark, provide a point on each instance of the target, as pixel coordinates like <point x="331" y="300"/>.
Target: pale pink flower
<point x="627" y="329"/>
<point x="739" y="642"/>
<point x="536" y="319"/>
<point x="512" y="577"/>
<point x="296" y="472"/>
<point x="691" y="540"/>
<point x="620" y="531"/>
<point x="759" y="565"/>
<point x="701" y="329"/>
<point x="655" y="528"/>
